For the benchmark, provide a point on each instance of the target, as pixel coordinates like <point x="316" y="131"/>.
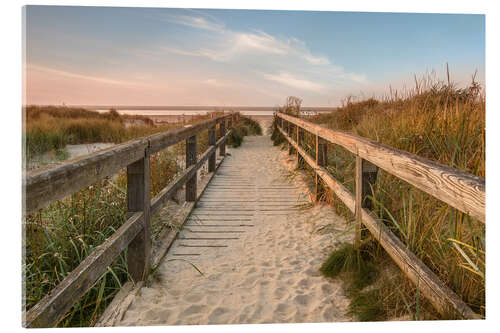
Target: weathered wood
<point x="442" y="297"/>
<point x="168" y="237"/>
<point x="59" y="300"/>
<point x="366" y="176"/>
<point x="222" y="149"/>
<point x="211" y="141"/>
<point x="191" y="156"/>
<point x="49" y="184"/>
<point x="167" y="192"/>
<point x="299" y="139"/>
<point x="459" y="189"/>
<point x="52" y="183"/>
<point x="138" y="199"/>
<point x="163" y="140"/>
<point x="321" y="160"/>
<point x="359" y="200"/>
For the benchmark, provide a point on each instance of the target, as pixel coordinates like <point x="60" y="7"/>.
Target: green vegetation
<point x="440" y="122"/>
<point x="51" y="128"/>
<point x="245" y="126"/>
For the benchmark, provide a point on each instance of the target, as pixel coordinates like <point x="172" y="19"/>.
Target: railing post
<point x="211" y="142"/>
<point x="191" y="157"/>
<point x="321" y="160"/>
<point x="139" y="199"/>
<point x="366" y="176"/>
<point x="290" y="130"/>
<point x="299" y="140"/>
<point x="222" y="149"/>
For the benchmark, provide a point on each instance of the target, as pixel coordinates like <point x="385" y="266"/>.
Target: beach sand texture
<point x="259" y="244"/>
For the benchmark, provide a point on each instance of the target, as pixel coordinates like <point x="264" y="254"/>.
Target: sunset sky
<point x="159" y="56"/>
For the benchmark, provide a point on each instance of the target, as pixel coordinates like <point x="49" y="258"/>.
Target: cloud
<point x="195" y="22"/>
<point x="294" y="82"/>
<point x="52" y="71"/>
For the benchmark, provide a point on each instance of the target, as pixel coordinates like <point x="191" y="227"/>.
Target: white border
<point x="11" y="139"/>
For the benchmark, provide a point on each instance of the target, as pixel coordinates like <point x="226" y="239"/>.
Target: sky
<point x="161" y="56"/>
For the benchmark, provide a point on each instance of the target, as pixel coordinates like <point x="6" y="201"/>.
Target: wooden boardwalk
<point x="254" y="236"/>
<point x="236" y="199"/>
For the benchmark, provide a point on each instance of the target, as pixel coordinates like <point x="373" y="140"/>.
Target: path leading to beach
<point x="259" y="243"/>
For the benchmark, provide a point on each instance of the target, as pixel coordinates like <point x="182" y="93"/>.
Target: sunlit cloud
<point x="194" y="22"/>
<point x="294" y="82"/>
<point x="51" y="71"/>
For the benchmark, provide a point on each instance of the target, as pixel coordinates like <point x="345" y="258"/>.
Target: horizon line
<point x="187" y="108"/>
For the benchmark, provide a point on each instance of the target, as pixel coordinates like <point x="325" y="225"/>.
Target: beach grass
<point x="440" y="122"/>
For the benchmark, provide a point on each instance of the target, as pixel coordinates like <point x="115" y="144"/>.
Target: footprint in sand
<point x="330" y="314"/>
<point x="218" y="314"/>
<point x="312" y="272"/>
<point x="327" y="289"/>
<point x="302" y="300"/>
<point x="192" y="309"/>
<point x="280" y="292"/>
<point x="284" y="309"/>
<point x="193" y="298"/>
<point x="303" y="284"/>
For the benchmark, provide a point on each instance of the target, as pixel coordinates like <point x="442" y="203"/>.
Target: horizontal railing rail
<point x="46" y="185"/>
<point x="460" y="190"/>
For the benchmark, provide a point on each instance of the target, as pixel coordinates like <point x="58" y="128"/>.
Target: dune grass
<point x="51" y="128"/>
<point x="245" y="126"/>
<point x="440" y="122"/>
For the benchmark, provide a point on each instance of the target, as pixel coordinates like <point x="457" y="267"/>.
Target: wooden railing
<point x="46" y="185"/>
<point x="461" y="190"/>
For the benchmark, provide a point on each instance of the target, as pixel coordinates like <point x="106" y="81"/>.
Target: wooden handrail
<point x="46" y="185"/>
<point x="440" y="296"/>
<point x="459" y="189"/>
<point x="50" y="184"/>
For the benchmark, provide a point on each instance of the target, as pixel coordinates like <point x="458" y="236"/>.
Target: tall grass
<point x="245" y="126"/>
<point x="52" y="128"/>
<point x="440" y="122"/>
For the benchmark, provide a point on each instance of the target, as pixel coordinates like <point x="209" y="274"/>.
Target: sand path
<point x="259" y="244"/>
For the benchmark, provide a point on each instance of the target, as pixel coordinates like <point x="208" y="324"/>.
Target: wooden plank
<point x="167" y="192"/>
<point x="300" y="140"/>
<point x="163" y="140"/>
<point x="167" y="238"/>
<point x="59" y="300"/>
<point x="211" y="141"/>
<point x="191" y="156"/>
<point x="49" y="184"/>
<point x="222" y="127"/>
<point x="321" y="160"/>
<point x="459" y="189"/>
<point x="138" y="199"/>
<point x="440" y="296"/>
<point x="359" y="200"/>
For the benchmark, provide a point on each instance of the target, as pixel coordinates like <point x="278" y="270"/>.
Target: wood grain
<point x="59" y="300"/>
<point x="459" y="189"/>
